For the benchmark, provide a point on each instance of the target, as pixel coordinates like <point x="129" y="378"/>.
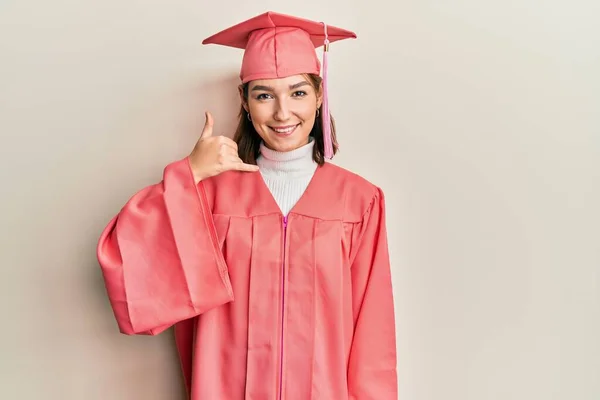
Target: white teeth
<point x="286" y="130"/>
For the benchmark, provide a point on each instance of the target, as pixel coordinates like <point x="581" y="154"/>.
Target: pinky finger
<point x="240" y="166"/>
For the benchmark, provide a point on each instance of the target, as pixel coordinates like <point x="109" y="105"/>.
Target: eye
<point x="263" y="96"/>
<point x="299" y="93"/>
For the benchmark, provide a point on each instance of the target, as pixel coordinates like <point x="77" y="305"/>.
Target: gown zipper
<point x="285" y="223"/>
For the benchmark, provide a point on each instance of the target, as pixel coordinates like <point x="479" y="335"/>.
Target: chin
<point x="283" y="143"/>
<point x="289" y="144"/>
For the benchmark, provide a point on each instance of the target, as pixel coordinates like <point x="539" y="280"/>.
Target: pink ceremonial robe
<point x="264" y="306"/>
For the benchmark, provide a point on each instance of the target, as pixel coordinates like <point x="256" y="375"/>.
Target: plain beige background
<point x="480" y="120"/>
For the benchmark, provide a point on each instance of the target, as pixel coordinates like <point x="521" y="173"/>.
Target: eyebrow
<point x="270" y="89"/>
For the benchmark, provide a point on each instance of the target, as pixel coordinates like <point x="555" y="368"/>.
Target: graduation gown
<point x="264" y="306"/>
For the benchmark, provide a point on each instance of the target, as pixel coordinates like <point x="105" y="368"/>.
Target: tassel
<point x="326" y="119"/>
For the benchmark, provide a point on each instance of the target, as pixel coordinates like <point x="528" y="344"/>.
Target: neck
<point x="289" y="163"/>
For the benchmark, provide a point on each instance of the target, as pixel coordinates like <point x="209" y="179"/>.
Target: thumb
<point x="208" y="126"/>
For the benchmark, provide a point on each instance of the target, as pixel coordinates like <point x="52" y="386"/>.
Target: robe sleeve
<point x="372" y="361"/>
<point x="160" y="257"/>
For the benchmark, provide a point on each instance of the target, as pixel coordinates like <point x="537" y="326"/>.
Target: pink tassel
<point x="326" y="120"/>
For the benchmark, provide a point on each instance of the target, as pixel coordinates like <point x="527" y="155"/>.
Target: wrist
<point x="197" y="175"/>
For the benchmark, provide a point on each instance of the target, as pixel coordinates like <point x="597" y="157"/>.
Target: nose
<point x="282" y="110"/>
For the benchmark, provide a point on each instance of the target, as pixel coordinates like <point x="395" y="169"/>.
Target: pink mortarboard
<point x="277" y="45"/>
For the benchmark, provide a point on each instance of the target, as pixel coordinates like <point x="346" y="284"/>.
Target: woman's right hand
<point x="213" y="155"/>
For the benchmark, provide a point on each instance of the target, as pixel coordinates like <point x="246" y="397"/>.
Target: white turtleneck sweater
<point x="287" y="174"/>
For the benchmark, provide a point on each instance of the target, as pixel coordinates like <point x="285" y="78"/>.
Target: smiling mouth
<point x="284" y="130"/>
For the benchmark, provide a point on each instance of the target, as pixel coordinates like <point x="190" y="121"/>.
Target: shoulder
<point x="349" y="192"/>
<point x="351" y="180"/>
<point x="230" y="183"/>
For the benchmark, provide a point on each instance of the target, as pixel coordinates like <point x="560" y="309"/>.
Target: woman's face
<point x="283" y="111"/>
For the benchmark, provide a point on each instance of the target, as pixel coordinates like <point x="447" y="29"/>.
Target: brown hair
<point x="248" y="140"/>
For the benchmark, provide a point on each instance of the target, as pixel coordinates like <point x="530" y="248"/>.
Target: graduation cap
<point x="278" y="45"/>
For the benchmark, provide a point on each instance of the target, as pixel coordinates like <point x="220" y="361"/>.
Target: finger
<point x="229" y="143"/>
<point x="229" y="160"/>
<point x="235" y="163"/>
<point x="240" y="166"/>
<point x="228" y="154"/>
<point x="208" y="126"/>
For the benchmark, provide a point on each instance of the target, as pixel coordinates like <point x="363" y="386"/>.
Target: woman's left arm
<point x="372" y="364"/>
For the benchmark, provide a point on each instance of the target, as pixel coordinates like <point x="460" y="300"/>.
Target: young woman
<point x="271" y="263"/>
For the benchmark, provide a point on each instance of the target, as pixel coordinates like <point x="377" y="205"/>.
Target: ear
<point x="320" y="95"/>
